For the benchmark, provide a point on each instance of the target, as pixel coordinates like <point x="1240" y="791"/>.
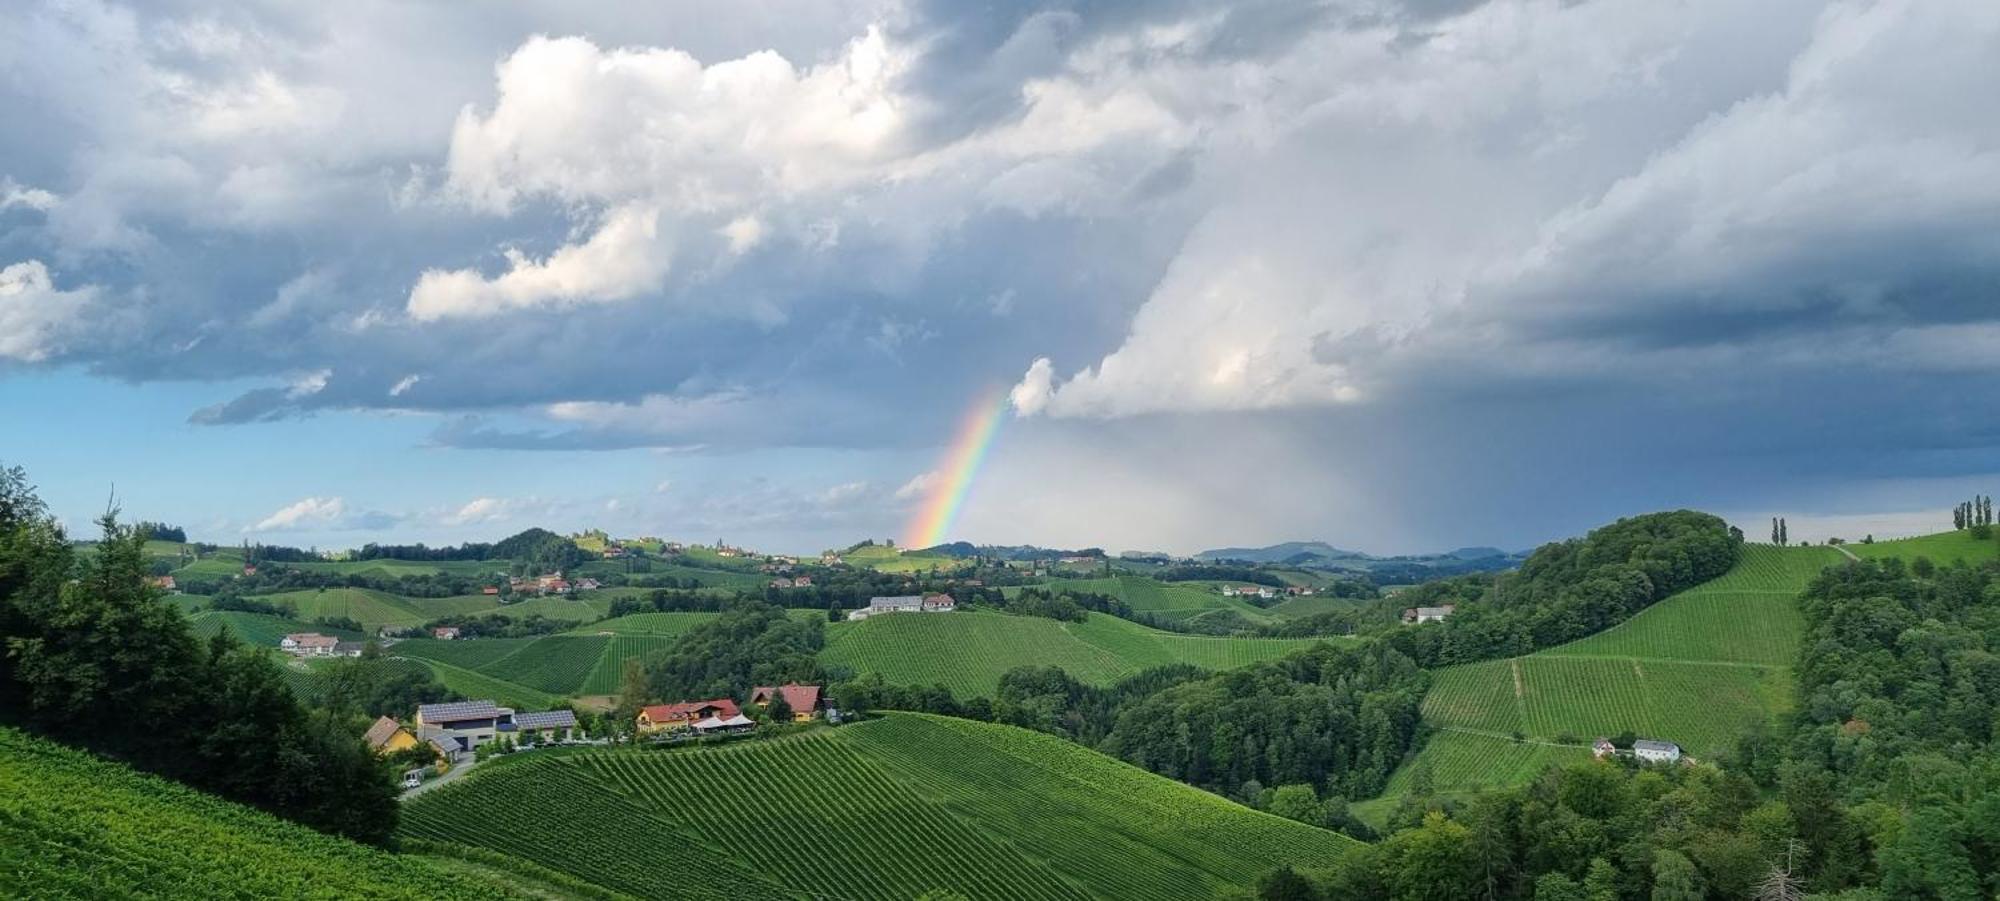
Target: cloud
<point x="14" y="194"/>
<point x="622" y="259"/>
<point x="917" y="486"/>
<point x="483" y="509"/>
<point x="304" y="513"/>
<point x="664" y="486"/>
<point x="36" y="319"/>
<point x="842" y="494"/>
<point x="404" y="384"/>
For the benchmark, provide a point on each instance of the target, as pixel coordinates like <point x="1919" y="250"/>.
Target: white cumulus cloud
<point x="304" y="513"/>
<point x="36" y="318"/>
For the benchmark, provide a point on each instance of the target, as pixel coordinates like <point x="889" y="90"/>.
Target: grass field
<point x="392" y="569"/>
<point x="541" y="669"/>
<point x="1293" y="608"/>
<point x="969" y="650"/>
<point x="997" y="812"/>
<point x="574" y="609"/>
<point x="1695" y="669"/>
<point x="892" y="560"/>
<point x="74" y="826"/>
<point x="1941" y="548"/>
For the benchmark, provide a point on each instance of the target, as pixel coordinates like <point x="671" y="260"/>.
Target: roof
<point x="681" y="710"/>
<point x="345" y="646"/>
<point x="546" y="719"/>
<point x="906" y="600"/>
<point x="457" y="710"/>
<point x="1647" y="744"/>
<point x="716" y="722"/>
<point x="798" y="697"/>
<point x="380" y="733"/>
<point x="312" y="640"/>
<point x="939" y="598"/>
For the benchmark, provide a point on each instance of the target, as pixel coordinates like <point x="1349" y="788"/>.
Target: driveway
<point x="449" y="775"/>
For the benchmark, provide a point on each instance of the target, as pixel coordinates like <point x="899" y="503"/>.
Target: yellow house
<point x="803" y="699"/>
<point x="388" y="736"/>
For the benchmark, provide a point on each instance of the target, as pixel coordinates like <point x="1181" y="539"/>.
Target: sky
<point x="1401" y="275"/>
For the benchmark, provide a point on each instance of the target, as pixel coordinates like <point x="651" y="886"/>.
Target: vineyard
<point x="968" y="651"/>
<point x="1942" y="548"/>
<point x="72" y="825"/>
<point x="1697" y="669"/>
<point x="1171" y="601"/>
<point x="997" y="813"/>
<point x="257" y="628"/>
<point x="603" y="679"/>
<point x="372" y="609"/>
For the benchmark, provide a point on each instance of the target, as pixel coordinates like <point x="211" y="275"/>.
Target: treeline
<point x="1569" y="589"/>
<point x="93" y="658"/>
<point x="1881" y="785"/>
<point x="159" y="531"/>
<point x="277" y="579"/>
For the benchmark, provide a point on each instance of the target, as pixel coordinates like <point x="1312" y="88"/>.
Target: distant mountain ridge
<point x="1408" y="567"/>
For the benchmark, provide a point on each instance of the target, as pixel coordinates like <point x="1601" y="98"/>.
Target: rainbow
<point x="955" y="472"/>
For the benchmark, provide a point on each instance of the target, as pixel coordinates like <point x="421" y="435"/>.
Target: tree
<point x="1558" y="887"/>
<point x="1285" y="884"/>
<point x="1600" y="882"/>
<point x="778" y="710"/>
<point x="1675" y="877"/>
<point x="1294" y="802"/>
<point x="631" y="689"/>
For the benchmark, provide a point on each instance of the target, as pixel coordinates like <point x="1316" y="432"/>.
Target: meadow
<point x="998" y="813"/>
<point x="72" y="825"/>
<point x="258" y="628"/>
<point x="968" y="651"/>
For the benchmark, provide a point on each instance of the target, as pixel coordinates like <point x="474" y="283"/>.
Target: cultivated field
<point x="998" y="813"/>
<point x="1169" y="600"/>
<point x="969" y="650"/>
<point x="1696" y="669"/>
<point x="258" y="628"/>
<point x="1941" y="548"/>
<point x="75" y="826"/>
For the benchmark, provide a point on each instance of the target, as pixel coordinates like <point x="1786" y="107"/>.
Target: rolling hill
<point x="1696" y="668"/>
<point x="968" y="651"/>
<point x="1174" y="601"/>
<point x="997" y="812"/>
<point x="73" y="825"/>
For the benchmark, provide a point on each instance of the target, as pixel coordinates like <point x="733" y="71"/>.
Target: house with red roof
<point x="804" y="700"/>
<point x="683" y="714"/>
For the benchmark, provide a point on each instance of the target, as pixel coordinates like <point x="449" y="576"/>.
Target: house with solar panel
<point x="461" y="726"/>
<point x="547" y="726"/>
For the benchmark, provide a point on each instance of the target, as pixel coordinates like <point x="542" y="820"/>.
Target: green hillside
<point x="1696" y="668"/>
<point x="372" y="609"/>
<point x="997" y="812"/>
<point x="75" y="826"/>
<point x="1168" y="600"/>
<point x="1941" y="548"/>
<point x="968" y="651"/>
<point x="258" y="628"/>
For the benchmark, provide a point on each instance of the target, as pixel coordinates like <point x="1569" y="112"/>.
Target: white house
<point x="1651" y="751"/>
<point x="309" y="644"/>
<point x="938" y="603"/>
<point x="1427" y="614"/>
<point x="907" y="603"/>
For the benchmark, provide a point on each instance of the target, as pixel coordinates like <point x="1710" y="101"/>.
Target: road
<point x="449" y="775"/>
<point x="1850" y="554"/>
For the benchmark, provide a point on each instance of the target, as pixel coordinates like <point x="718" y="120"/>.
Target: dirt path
<point x="1848" y="553"/>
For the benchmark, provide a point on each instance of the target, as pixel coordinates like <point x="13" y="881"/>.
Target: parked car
<point x="413" y="780"/>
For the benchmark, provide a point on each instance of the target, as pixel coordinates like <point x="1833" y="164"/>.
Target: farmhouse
<point x="445" y="633"/>
<point x="1427" y="614"/>
<point x="781" y="583"/>
<point x="348" y="648"/>
<point x="1603" y="748"/>
<point x="164" y="583"/>
<point x="1652" y="751"/>
<point x="908" y="603"/>
<point x="802" y="582"/>
<point x="548" y="725"/>
<point x="939" y="603"/>
<point x="490" y="590"/>
<point x="683" y="714"/>
<point x="308" y="644"/>
<point x="804" y="700"/>
<point x="387" y="735"/>
<point x="460" y="726"/>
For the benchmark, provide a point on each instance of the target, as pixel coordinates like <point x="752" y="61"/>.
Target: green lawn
<point x="76" y="826"/>
<point x="968" y="651"/>
<point x="997" y="812"/>
<point x="398" y="568"/>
